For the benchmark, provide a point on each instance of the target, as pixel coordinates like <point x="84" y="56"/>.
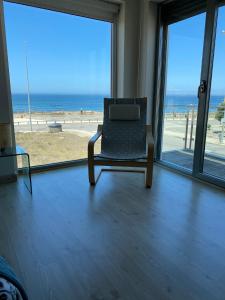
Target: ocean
<point x="51" y="103"/>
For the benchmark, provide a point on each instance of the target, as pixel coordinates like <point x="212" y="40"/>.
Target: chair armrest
<point x="149" y="139"/>
<point x="93" y="140"/>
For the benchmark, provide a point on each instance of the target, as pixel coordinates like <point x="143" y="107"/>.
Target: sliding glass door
<point x="214" y="156"/>
<point x="181" y="102"/>
<point x="192" y="99"/>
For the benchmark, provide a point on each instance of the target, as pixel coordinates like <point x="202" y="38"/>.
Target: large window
<point x="60" y="72"/>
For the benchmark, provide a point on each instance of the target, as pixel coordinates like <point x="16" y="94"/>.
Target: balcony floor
<point x="117" y="240"/>
<point x="213" y="165"/>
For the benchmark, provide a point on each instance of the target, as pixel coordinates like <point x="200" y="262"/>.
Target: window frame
<point x="94" y="9"/>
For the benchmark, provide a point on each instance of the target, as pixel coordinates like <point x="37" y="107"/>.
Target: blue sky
<point x="70" y="54"/>
<point x="66" y="54"/>
<point x="185" y="56"/>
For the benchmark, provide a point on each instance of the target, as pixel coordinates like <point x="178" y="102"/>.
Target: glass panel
<point x="185" y="47"/>
<point x="214" y="161"/>
<point x="60" y="71"/>
<point x="23" y="162"/>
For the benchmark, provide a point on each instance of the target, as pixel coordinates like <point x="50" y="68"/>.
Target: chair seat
<point x="122" y="156"/>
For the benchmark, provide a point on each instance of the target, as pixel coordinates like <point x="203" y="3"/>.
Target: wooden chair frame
<point x="147" y="164"/>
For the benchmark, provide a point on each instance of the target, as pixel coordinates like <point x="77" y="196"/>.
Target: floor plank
<point x="117" y="240"/>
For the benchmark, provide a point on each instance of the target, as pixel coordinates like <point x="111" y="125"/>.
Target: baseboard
<point x="8" y="178"/>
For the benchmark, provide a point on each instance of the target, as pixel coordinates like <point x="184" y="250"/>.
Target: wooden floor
<point x="117" y="240"/>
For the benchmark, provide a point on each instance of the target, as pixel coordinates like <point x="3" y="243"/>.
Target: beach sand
<point x="47" y="148"/>
<point x="58" y="116"/>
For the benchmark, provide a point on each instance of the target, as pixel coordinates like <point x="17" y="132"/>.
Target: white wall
<point x="132" y="32"/>
<point x="148" y="31"/>
<point x="128" y="48"/>
<point x="137" y="24"/>
<point x="7" y="166"/>
<point x="120" y="51"/>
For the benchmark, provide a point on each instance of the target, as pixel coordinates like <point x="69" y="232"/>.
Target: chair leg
<point x="149" y="167"/>
<point x="148" y="176"/>
<point x="149" y="170"/>
<point x="91" y="172"/>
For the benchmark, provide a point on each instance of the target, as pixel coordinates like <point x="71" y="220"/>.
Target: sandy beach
<point x="59" y="115"/>
<point x="45" y="147"/>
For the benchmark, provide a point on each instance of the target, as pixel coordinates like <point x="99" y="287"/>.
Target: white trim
<point x="95" y="9"/>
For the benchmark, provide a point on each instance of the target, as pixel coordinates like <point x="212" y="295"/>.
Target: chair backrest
<point x="124" y="129"/>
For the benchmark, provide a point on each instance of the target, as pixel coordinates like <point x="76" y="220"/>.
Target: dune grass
<point x="46" y="148"/>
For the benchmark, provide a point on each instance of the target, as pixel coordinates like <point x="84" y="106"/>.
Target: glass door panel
<point x="185" y="48"/>
<point x="214" y="159"/>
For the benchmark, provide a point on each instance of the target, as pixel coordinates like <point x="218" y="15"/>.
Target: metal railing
<point x="49" y="122"/>
<point x="188" y="113"/>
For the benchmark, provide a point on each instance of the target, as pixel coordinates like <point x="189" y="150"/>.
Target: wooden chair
<point x="126" y="140"/>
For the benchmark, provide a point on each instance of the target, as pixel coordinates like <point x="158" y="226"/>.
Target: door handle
<point x="202" y="88"/>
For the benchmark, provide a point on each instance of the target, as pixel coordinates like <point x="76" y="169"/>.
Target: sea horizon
<point x="42" y="102"/>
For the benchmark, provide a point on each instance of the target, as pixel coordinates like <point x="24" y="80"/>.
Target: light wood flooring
<point x="117" y="240"/>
